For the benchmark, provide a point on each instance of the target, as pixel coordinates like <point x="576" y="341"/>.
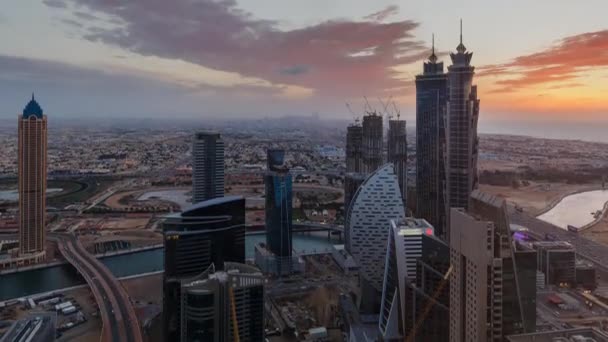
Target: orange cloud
<point x="567" y="60"/>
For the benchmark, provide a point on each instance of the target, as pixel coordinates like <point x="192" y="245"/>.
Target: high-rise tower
<point x="354" y="163"/>
<point x="397" y="153"/>
<point x="216" y="304"/>
<point x="376" y="203"/>
<point x="431" y="108"/>
<point x="209" y="232"/>
<point x="278" y="183"/>
<point x="492" y="285"/>
<point x="462" y="140"/>
<point x="32" y="170"/>
<point x="373" y="142"/>
<point x="207" y="167"/>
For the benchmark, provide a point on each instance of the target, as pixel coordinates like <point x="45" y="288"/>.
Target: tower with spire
<point x="32" y="170"/>
<point x="462" y="117"/>
<point x="431" y="108"/>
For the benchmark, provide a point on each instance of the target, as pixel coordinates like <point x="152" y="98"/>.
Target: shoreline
<point x="587" y="226"/>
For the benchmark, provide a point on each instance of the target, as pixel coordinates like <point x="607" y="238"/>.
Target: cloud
<point x="55" y="3"/>
<point x="73" y="91"/>
<point x="217" y="34"/>
<point x="389" y="11"/>
<point x="563" y="62"/>
<point x="295" y="70"/>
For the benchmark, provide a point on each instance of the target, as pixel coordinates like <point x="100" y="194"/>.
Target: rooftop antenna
<point x="460" y="30"/>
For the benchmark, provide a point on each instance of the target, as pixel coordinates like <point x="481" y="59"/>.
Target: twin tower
<point x="447" y="111"/>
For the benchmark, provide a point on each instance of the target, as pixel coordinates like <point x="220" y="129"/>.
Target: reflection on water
<point x="576" y="210"/>
<point x="58" y="277"/>
<point x="13" y="195"/>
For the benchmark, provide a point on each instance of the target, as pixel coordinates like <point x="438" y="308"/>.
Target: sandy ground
<point x="536" y="197"/>
<point x="599" y="231"/>
<point x="500" y="165"/>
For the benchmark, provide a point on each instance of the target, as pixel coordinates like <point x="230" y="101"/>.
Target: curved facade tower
<point x="375" y="204"/>
<point x="32" y="179"/>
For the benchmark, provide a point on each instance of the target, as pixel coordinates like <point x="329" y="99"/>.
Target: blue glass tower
<point x="278" y="183"/>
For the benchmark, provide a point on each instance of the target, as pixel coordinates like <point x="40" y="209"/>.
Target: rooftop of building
<point x="33" y="109"/>
<point x="195" y="209"/>
<point x="553" y="245"/>
<point x="39" y="326"/>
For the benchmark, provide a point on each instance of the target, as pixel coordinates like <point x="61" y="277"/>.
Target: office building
<point x="35" y="327"/>
<point x="431" y="110"/>
<point x="462" y="141"/>
<point x="217" y="303"/>
<point x="430" y="293"/>
<point x="376" y="203"/>
<point x="32" y="171"/>
<point x="489" y="298"/>
<point x="586" y="275"/>
<point x="568" y="335"/>
<point x="557" y="260"/>
<point x="354" y="148"/>
<point x="397" y="153"/>
<point x="209" y="232"/>
<point x="207" y="167"/>
<point x="403" y="250"/>
<point x="373" y="142"/>
<point x="278" y="184"/>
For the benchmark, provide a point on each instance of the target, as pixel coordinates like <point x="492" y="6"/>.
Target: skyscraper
<point x="32" y="171"/>
<point x="209" y="232"/>
<point x="431" y="108"/>
<point x="490" y="295"/>
<point x="373" y="142"/>
<point x="462" y="140"/>
<point x="207" y="167"/>
<point x="212" y="300"/>
<point x="278" y="183"/>
<point x="354" y="148"/>
<point x="402" y="253"/>
<point x="397" y="153"/>
<point x="376" y="203"/>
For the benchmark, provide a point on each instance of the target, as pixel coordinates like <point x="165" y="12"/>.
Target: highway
<point x="118" y="315"/>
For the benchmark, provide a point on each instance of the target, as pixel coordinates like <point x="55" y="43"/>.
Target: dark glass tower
<point x="207" y="167"/>
<point x="397" y="153"/>
<point x="373" y="142"/>
<point x="431" y="107"/>
<point x="278" y="183"/>
<point x="354" y="148"/>
<point x="209" y="232"/>
<point x="462" y="140"/>
<point x="209" y="299"/>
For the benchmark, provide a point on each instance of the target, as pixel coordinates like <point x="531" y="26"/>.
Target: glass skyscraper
<point x="278" y="184"/>
<point x="207" y="167"/>
<point x="431" y="108"/>
<point x="209" y="232"/>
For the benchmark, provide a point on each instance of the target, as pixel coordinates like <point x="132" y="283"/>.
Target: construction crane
<point x="235" y="323"/>
<point x="397" y="110"/>
<point x="429" y="305"/>
<point x="355" y="116"/>
<point x="385" y="107"/>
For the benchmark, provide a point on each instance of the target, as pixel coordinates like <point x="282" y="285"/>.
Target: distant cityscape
<point x="268" y="231"/>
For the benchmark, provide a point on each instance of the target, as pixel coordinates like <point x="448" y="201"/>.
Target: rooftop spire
<point x="33" y="99"/>
<point x="461" y="48"/>
<point x="433" y="57"/>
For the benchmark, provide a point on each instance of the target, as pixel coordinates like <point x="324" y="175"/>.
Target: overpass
<point x="298" y="227"/>
<point x="118" y="315"/>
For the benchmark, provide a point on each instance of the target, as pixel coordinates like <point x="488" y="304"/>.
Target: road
<point x="118" y="315"/>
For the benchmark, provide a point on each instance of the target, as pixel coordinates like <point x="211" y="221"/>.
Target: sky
<point x="536" y="61"/>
